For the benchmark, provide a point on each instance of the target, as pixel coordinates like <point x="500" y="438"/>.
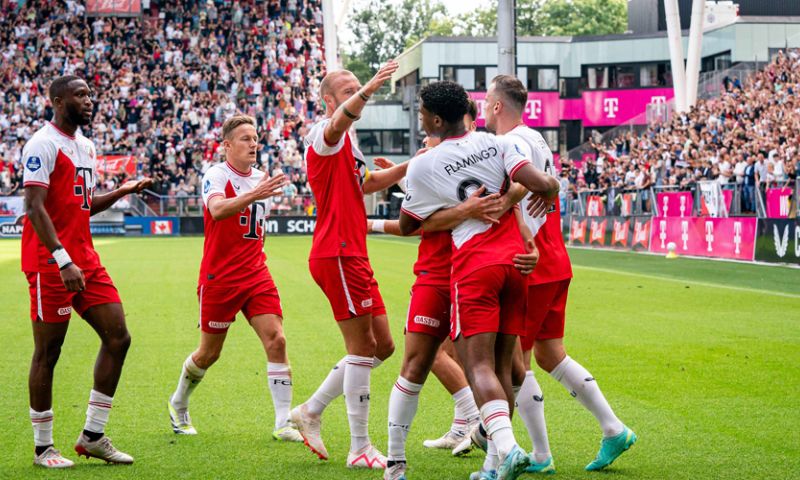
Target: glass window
<point x="522" y="74"/>
<point x="491" y="72"/>
<point x="648" y="75"/>
<point x="480" y="78"/>
<point x="466" y="77"/>
<point x="448" y="73"/>
<point x="547" y="79"/>
<point x="551" y="137"/>
<point x="393" y="141"/>
<point x="625" y="77"/>
<point x="597" y="77"/>
<point x="369" y="141"/>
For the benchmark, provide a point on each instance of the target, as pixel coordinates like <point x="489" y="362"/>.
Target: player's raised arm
<point x="106" y="200"/>
<point x="350" y="110"/>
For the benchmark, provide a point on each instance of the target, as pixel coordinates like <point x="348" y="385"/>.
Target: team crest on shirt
<point x="206" y="186"/>
<point x="518" y="149"/>
<point x="33" y="163"/>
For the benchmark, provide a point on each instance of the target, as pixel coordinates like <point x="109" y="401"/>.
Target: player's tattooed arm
<point x="350" y="111"/>
<point x="222" y="208"/>
<point x="106" y="200"/>
<point x="486" y="208"/>
<point x="71" y="275"/>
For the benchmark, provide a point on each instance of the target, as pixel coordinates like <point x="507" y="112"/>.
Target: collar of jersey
<point x="237" y="172"/>
<point x="458" y="137"/>
<point x="71" y="137"/>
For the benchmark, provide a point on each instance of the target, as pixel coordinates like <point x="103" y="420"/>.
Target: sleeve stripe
<point x="36" y="184"/>
<point x="517" y="167"/>
<point x="412" y="215"/>
<point x="215" y="194"/>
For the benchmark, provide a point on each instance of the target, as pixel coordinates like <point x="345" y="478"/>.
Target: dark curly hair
<point x="446" y="99"/>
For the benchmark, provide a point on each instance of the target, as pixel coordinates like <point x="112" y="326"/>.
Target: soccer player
<point x="547" y="299"/>
<point x="487" y="292"/>
<point x="340" y="265"/>
<point x="64" y="271"/>
<point x="234" y="276"/>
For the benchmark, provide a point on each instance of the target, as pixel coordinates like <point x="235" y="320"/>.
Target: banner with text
<point x="674" y="204"/>
<point x="778" y="241"/>
<point x="732" y="238"/>
<point x="779" y="202"/>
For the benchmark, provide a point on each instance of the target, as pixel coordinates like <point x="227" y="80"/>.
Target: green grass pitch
<point x="700" y="358"/>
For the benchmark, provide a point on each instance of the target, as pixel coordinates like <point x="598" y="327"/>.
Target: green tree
<point x="583" y="17"/>
<point x="383" y="29"/>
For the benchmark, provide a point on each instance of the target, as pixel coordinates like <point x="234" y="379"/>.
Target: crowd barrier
<point x="734" y="238"/>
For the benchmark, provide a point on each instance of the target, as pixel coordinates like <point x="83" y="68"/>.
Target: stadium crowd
<point x="749" y="135"/>
<point x="165" y="82"/>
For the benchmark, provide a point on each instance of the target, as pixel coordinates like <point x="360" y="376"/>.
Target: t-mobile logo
<point x="662" y="234"/>
<point x="737" y="236"/>
<point x="84" y="183"/>
<point x="683" y="205"/>
<point x="665" y="205"/>
<point x="658" y="100"/>
<point x="534" y="108"/>
<point x="254" y="220"/>
<point x="611" y="107"/>
<point x="785" y="201"/>
<point x="685" y="234"/>
<point x="710" y="236"/>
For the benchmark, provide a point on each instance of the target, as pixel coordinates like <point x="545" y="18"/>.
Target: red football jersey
<point x="65" y="165"/>
<point x="433" y="261"/>
<point x="554" y="264"/>
<point x="336" y="174"/>
<point x="233" y="251"/>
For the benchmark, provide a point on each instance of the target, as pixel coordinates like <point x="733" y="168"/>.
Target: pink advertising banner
<point x="726" y="194"/>
<point x="732" y="238"/>
<point x="779" y="202"/>
<point x="542" y="109"/>
<point x="674" y="204"/>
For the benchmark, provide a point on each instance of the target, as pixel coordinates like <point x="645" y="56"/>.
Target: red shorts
<point x="52" y="303"/>
<point x="547" y="305"/>
<point x="490" y="299"/>
<point x="220" y="304"/>
<point x="350" y="286"/>
<point x="429" y="311"/>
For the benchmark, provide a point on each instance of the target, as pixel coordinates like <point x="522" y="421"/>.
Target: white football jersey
<point x="536" y="148"/>
<point x="448" y="174"/>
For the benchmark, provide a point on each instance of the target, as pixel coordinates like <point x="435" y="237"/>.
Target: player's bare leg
<point x="108" y="320"/>
<point x="269" y="329"/>
<point x="420" y="351"/>
<point x="551" y="356"/>
<point x="47" y="341"/>
<point x="192" y="373"/>
<point x="487" y="359"/>
<point x="384" y="344"/>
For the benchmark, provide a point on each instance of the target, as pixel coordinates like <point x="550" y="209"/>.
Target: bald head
<point x="336" y="87"/>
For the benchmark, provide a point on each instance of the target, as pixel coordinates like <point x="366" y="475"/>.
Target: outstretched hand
<point x="269" y="186"/>
<point x="136" y="186"/>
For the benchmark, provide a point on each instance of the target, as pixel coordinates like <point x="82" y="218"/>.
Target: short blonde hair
<point x="236" y="121"/>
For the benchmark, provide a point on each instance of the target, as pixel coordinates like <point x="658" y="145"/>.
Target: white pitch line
<point x="689" y="282"/>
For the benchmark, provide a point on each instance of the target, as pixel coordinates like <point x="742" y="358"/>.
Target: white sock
<point x="491" y="461"/>
<point x="279" y="376"/>
<point x="42" y="423"/>
<point x="403" y="403"/>
<point x="97" y="412"/>
<point x="530" y="406"/>
<point x="464" y="412"/>
<point x="356" y="397"/>
<point x="191" y="375"/>
<point x="331" y="387"/>
<point x="497" y="422"/>
<point x="583" y="386"/>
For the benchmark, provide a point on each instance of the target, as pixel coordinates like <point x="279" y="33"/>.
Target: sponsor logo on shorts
<point x="219" y="324"/>
<point x="65" y="310"/>
<point x="366" y="303"/>
<point x="427" y="321"/>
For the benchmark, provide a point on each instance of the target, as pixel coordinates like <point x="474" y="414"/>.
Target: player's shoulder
<point x="46" y="135"/>
<point x="424" y="161"/>
<point x="316" y="130"/>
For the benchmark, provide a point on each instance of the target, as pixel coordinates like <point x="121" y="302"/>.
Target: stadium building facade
<point x="576" y="84"/>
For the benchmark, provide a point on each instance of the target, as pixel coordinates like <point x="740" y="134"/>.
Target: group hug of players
<point x="491" y="285"/>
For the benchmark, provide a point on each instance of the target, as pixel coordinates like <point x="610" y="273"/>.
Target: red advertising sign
<point x="597" y="231"/>
<point x="116" y="164"/>
<point x="626" y="208"/>
<point x="594" y="206"/>
<point x="779" y="202"/>
<point x="577" y="231"/>
<point x="674" y="204"/>
<point x="641" y="234"/>
<point x="114" y="7"/>
<point x="732" y="238"/>
<point x="619" y="233"/>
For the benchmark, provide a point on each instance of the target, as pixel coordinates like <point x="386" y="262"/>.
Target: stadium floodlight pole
<point x="506" y="38"/>
<point x="676" y="53"/>
<point x="329" y="25"/>
<point x="695" y="50"/>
